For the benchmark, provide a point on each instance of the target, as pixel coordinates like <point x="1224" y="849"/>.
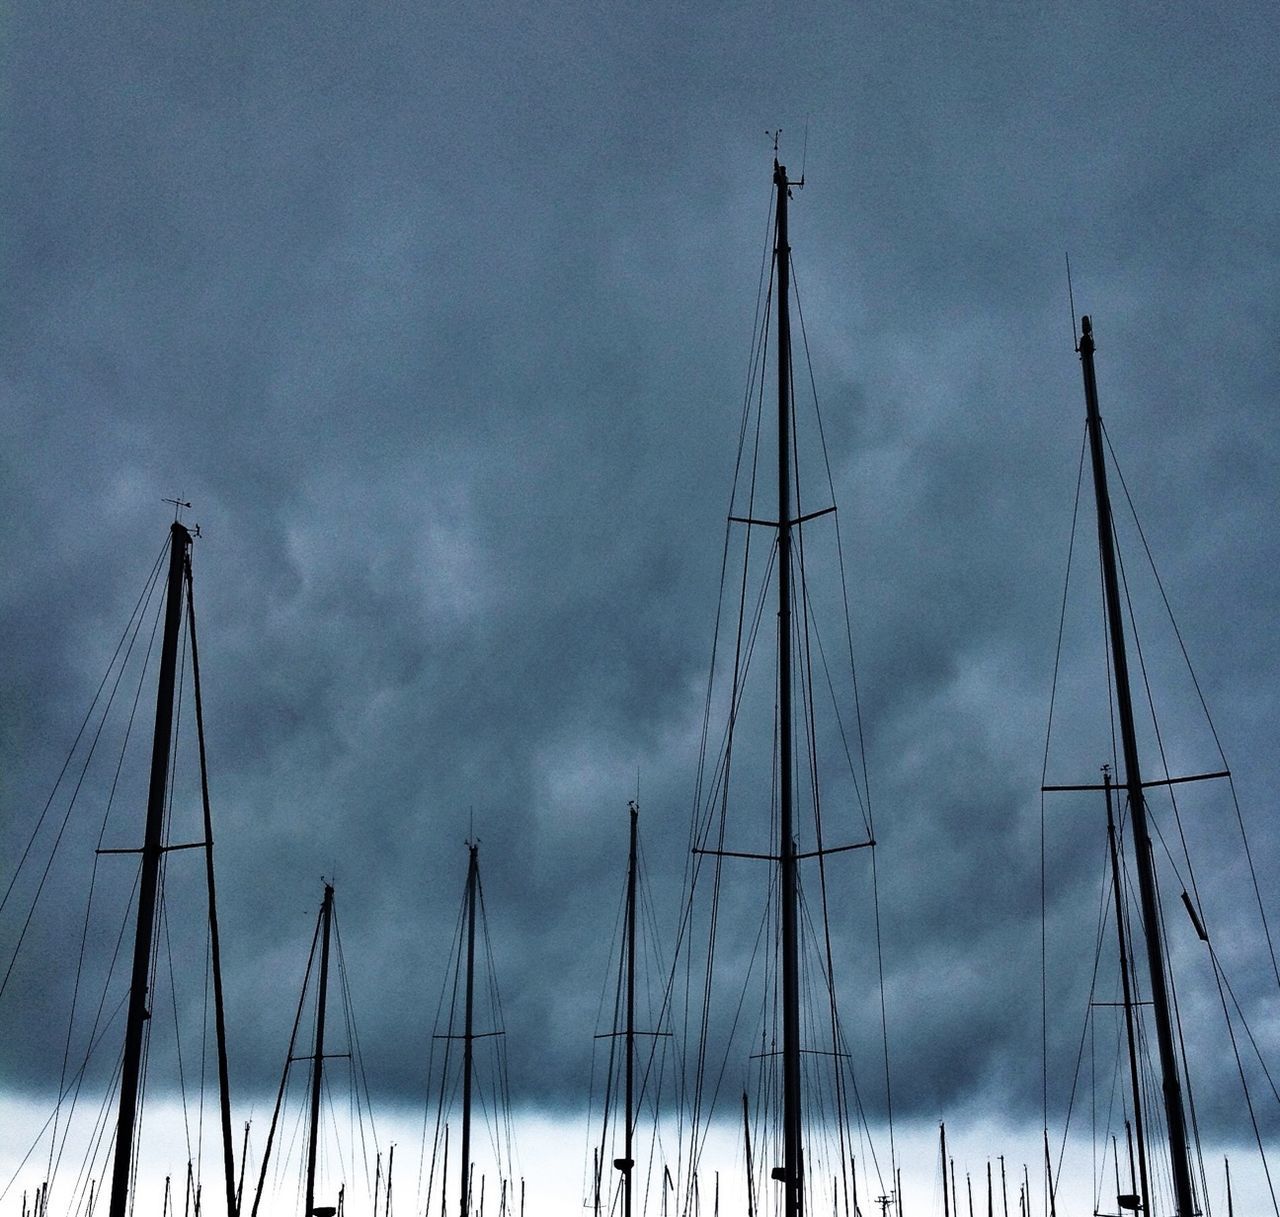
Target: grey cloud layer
<point x="442" y="323"/>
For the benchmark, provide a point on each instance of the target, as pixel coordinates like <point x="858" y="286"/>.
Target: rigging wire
<point x="448" y="1041"/>
<point x="1203" y="704"/>
<point x="138" y="609"/>
<point x="751" y="408"/>
<point x="868" y="817"/>
<point x="503" y="1138"/>
<point x="50" y="1119"/>
<point x="1093" y="985"/>
<point x="136" y="621"/>
<point x="1186" y="854"/>
<point x="71" y="803"/>
<point x="1044" y="778"/>
<point x="760" y="332"/>
<point x="360" y="1077"/>
<point x="284" y="1077"/>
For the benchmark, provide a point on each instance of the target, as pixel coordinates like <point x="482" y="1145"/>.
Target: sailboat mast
<point x="942" y="1136"/>
<point x="793" y="1165"/>
<point x="468" y="1036"/>
<point x="628" y="1118"/>
<point x="149" y="880"/>
<point x="1175" y="1121"/>
<point x="1134" y="1081"/>
<point x="317" y="1064"/>
<point x="215" y="950"/>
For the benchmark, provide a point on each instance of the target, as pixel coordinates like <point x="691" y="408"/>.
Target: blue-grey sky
<point x="440" y="317"/>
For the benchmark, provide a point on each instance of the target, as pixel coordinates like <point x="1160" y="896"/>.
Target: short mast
<point x="1175" y="1120"/>
<point x="317" y="1065"/>
<point x="149" y="881"/>
<point x="793" y="1160"/>
<point x="468" y="1038"/>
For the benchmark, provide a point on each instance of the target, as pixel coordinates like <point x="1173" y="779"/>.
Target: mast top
<point x="781" y="180"/>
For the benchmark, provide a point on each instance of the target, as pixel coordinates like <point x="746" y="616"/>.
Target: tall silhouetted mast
<point x="468" y="1036"/>
<point x="793" y="1154"/>
<point x="149" y="879"/>
<point x="317" y="1064"/>
<point x="1175" y="1120"/>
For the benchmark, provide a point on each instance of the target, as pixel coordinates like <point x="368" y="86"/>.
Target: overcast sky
<point x="440" y="317"/>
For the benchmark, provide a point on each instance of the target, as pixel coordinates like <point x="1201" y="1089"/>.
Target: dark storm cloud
<point x="441" y="320"/>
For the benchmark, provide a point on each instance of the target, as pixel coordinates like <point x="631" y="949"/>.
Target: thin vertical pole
<point x="1004" y="1187"/>
<point x="1115" y="1154"/>
<point x="793" y="1162"/>
<point x="628" y="1118"/>
<point x="1048" y="1177"/>
<point x="468" y="1031"/>
<point x="1175" y="1121"/>
<point x="991" y="1202"/>
<point x="317" y="1065"/>
<point x="444" y="1175"/>
<point x="746" y="1138"/>
<point x="149" y="880"/>
<point x="391" y="1161"/>
<point x="244" y="1158"/>
<point x="942" y="1135"/>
